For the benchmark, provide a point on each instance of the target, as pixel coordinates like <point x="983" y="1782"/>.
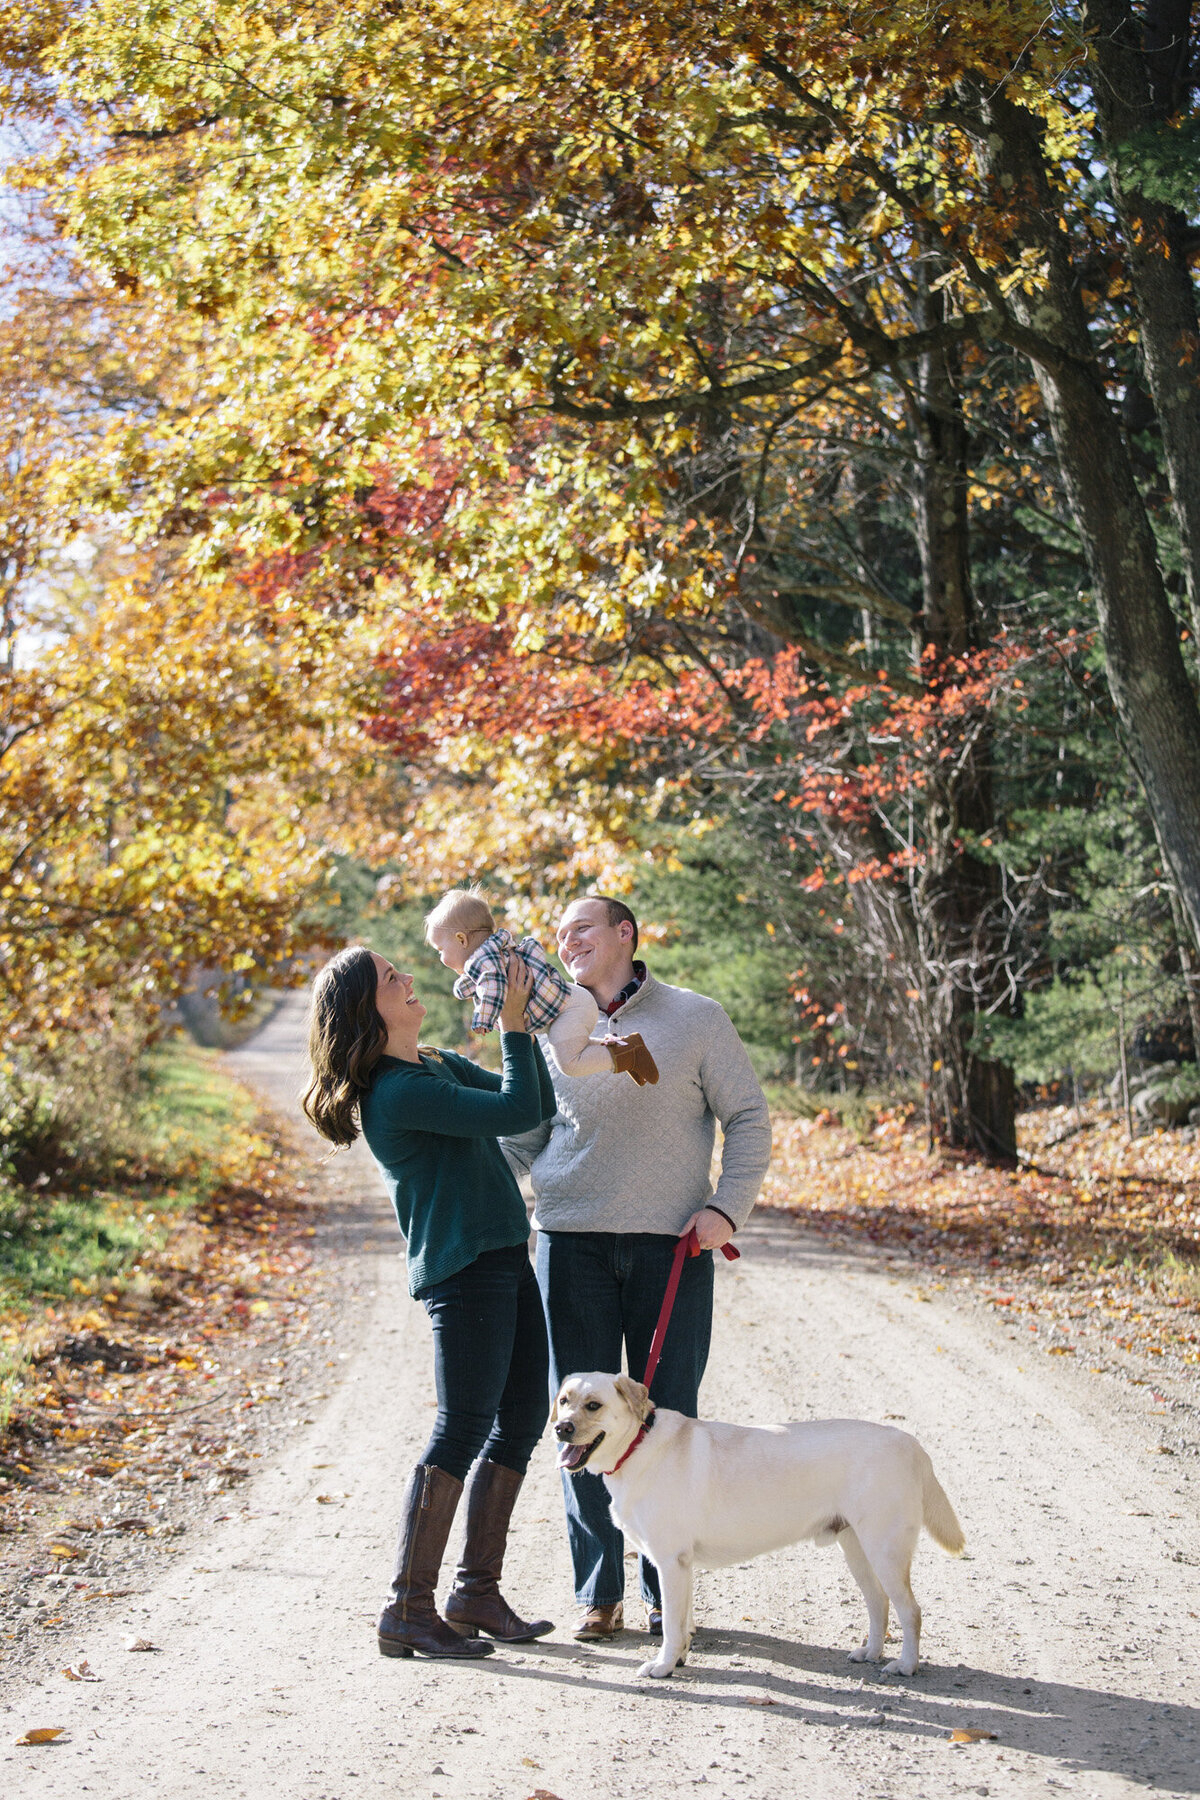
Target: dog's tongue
<point x="571" y="1455"/>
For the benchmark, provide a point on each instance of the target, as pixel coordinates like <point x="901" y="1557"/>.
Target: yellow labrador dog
<point x="691" y="1493"/>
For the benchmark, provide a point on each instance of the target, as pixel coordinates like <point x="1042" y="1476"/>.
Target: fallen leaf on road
<point x="970" y="1736"/>
<point x="139" y="1643"/>
<point x="80" y="1671"/>
<point x="44" y="1734"/>
<point x="529" y="1763"/>
<point x="760" y="1700"/>
<point x="542" y="1794"/>
<point x="1061" y="1350"/>
<point x="327" y="1499"/>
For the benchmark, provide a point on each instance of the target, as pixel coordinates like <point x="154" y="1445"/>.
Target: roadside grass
<point x="158" y="1283"/>
<point x="66" y="1242"/>
<point x="1180" y="1276"/>
<point x="14" y="1360"/>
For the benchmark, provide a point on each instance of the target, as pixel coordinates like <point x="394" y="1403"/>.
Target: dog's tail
<point x="940" y="1520"/>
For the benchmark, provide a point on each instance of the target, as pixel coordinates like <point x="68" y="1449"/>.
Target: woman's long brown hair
<point x="346" y="1037"/>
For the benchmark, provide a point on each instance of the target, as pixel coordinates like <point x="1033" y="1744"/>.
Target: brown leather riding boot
<point x="410" y="1619"/>
<point x="475" y="1601"/>
<point x="631" y="1057"/>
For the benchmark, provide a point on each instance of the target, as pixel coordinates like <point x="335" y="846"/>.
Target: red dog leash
<point x="687" y="1246"/>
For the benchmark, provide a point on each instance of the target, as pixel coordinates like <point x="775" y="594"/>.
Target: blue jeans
<point x="602" y="1288"/>
<point x="490" y="1366"/>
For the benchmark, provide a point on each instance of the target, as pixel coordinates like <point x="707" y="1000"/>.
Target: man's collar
<point x="628" y="991"/>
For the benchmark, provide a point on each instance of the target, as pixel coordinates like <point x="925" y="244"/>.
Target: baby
<point x="463" y="931"/>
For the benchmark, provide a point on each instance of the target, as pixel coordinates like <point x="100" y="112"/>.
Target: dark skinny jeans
<point x="491" y="1363"/>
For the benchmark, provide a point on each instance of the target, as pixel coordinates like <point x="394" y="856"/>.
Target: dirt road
<point x="1071" y="1632"/>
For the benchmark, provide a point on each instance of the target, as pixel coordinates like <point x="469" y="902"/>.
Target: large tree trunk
<point x="972" y="1102"/>
<point x="1144" y="68"/>
<point x="1153" y="696"/>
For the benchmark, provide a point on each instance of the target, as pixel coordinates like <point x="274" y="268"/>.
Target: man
<point x="619" y="1175"/>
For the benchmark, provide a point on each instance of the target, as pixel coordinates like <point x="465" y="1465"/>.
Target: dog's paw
<point x="658" y="1670"/>
<point x="898" y="1667"/>
<point x="866" y="1652"/>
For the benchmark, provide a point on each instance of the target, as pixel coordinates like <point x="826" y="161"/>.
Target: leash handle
<point x="687" y="1246"/>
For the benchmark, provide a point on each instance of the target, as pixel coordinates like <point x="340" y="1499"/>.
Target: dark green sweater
<point x="432" y="1128"/>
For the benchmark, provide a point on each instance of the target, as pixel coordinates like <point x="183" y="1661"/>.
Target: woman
<point x="431" y="1119"/>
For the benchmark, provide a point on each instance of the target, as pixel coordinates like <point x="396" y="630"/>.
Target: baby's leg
<point x="570" y="1037"/>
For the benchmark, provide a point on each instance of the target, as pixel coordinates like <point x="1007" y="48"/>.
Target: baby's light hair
<point x="462" y="909"/>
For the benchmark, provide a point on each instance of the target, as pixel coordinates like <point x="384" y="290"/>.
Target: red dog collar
<point x="637" y="1440"/>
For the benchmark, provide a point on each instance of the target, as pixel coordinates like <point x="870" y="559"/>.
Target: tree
<point x="147" y="824"/>
<point x="628" y="277"/>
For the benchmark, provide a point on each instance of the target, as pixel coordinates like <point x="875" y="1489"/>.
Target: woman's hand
<point x="520" y="986"/>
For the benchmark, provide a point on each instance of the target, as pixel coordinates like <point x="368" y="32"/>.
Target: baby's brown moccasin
<point x="631" y="1057"/>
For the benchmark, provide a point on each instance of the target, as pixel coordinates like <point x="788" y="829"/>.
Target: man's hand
<point x="712" y="1228"/>
<point x="520" y="986"/>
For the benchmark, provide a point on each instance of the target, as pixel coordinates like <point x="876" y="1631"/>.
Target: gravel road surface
<point x="1070" y="1631"/>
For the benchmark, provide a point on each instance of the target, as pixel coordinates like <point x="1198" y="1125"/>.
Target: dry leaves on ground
<point x="160" y="1383"/>
<point x="42" y="1734"/>
<point x="1088" y="1213"/>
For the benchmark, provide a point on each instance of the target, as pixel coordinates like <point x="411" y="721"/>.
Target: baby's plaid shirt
<point x="485" y="979"/>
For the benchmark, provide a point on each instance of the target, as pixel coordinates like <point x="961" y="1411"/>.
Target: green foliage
<point x="706" y="932"/>
<point x="85" y="1221"/>
<point x="607" y="327"/>
<point x="1072" y="1024"/>
<point x="1180" y="1089"/>
<point x="719" y="938"/>
<point x="1108" y="937"/>
<point x="1163" y="163"/>
<point x="72" y="1120"/>
<point x="364" y="905"/>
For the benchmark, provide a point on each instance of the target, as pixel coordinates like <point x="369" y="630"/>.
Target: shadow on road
<point x="1148" y="1742"/>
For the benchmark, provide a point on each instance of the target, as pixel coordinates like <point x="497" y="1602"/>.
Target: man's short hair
<point x="616" y="912"/>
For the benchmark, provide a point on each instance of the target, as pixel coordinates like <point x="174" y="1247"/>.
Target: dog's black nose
<point x="565" y="1430"/>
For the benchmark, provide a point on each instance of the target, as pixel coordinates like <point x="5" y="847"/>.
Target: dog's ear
<point x="634" y="1394"/>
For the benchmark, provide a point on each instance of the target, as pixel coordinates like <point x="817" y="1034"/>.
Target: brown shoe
<point x="475" y="1603"/>
<point x="410" y="1621"/>
<point x="600" y="1622"/>
<point x="631" y="1057"/>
